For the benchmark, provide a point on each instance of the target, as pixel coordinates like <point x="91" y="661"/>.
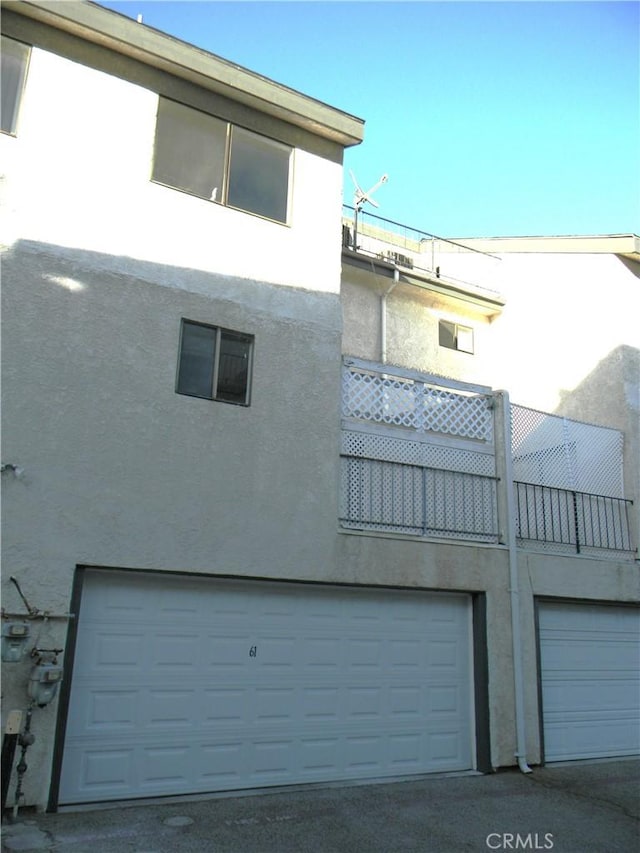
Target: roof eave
<point x="129" y="38"/>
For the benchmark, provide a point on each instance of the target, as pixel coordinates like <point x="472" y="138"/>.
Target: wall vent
<point x="401" y="260"/>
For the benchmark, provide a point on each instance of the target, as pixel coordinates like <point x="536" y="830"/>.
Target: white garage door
<point x="590" y="671"/>
<point x="184" y="685"/>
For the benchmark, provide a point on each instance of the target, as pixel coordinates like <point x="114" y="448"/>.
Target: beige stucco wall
<point x="412" y="320"/>
<point x="119" y="470"/>
<point x="564" y="315"/>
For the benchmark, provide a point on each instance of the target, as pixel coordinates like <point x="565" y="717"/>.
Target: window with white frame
<point x="15" y="59"/>
<point x="455" y="336"/>
<point x="215" y="160"/>
<point x="214" y="363"/>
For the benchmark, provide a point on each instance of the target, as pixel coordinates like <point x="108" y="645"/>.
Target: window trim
<point x="222" y="200"/>
<point x="219" y="330"/>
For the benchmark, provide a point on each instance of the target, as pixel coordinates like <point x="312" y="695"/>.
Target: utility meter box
<point x="14" y="640"/>
<point x="43" y="683"/>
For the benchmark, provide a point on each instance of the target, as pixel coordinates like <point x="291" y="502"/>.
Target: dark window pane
<point x="13" y="72"/>
<point x="197" y="352"/>
<point x="189" y="150"/>
<point x="447" y="333"/>
<point x="258" y="175"/>
<point x="233" y="368"/>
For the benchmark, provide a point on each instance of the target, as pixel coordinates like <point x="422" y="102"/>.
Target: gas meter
<point x="14" y="640"/>
<point x="43" y="683"/>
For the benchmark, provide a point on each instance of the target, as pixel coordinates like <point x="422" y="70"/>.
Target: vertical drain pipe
<point x="383" y="315"/>
<point x="516" y="634"/>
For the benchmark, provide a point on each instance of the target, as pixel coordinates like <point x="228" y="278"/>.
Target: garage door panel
<point x="321" y="653"/>
<point x="594" y="695"/>
<point x="226" y="651"/>
<point x="219" y="765"/>
<point x="588" y="652"/>
<point x="107" y="770"/>
<point x="590" y="680"/>
<point x="406" y="752"/>
<point x="261" y="684"/>
<point x="445" y="746"/>
<point x="588" y="740"/>
<point x="109" y="710"/>
<point x="118" y="651"/>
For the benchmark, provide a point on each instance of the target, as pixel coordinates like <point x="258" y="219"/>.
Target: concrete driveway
<point x="574" y="808"/>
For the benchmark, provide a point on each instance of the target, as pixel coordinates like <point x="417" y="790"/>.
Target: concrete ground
<point x="584" y="807"/>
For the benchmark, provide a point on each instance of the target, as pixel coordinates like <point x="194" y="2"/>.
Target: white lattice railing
<point x="549" y="450"/>
<point x="417" y="455"/>
<point x="400" y="398"/>
<point x="418" y="458"/>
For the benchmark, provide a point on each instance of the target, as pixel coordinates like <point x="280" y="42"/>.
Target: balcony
<point x="577" y="522"/>
<point x="419" y="458"/>
<point x="424" y="259"/>
<point x="418" y="500"/>
<point x="417" y="455"/>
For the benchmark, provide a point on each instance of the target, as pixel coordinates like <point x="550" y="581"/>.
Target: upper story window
<point x="214" y="363"/>
<point x="221" y="162"/>
<point x="455" y="336"/>
<point x="15" y="58"/>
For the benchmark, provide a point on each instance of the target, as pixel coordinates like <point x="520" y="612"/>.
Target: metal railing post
<point x="424" y="501"/>
<point x="574" y="498"/>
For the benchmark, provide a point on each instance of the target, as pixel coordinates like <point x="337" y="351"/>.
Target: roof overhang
<point x="625" y="245"/>
<point x="484" y="301"/>
<point x="138" y="41"/>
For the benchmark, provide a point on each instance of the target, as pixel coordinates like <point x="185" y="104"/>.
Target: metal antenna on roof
<point x="360" y="198"/>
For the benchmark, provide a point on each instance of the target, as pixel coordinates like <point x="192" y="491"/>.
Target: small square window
<point x="214" y="363"/>
<point x="15" y="58"/>
<point x="455" y="336"/>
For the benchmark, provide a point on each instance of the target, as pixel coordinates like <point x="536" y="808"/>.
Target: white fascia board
<point x="123" y="35"/>
<point x="607" y="244"/>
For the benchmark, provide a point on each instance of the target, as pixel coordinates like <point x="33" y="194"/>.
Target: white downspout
<point x="521" y="745"/>
<point x="383" y="315"/>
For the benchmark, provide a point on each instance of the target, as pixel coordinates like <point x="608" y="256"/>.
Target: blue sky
<point x="490" y="118"/>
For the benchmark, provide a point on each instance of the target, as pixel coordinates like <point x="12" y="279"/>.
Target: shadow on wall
<point x="610" y="394"/>
<point x="632" y="266"/>
<point x="75" y="270"/>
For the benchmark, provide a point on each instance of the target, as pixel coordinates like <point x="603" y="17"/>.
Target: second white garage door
<point x="185" y="685"/>
<point x="590" y="676"/>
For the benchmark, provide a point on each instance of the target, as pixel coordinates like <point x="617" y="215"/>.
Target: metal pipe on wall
<point x="383" y="316"/>
<point x="510" y="535"/>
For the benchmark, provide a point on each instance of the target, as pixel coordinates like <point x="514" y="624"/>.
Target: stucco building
<point x="262" y="502"/>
